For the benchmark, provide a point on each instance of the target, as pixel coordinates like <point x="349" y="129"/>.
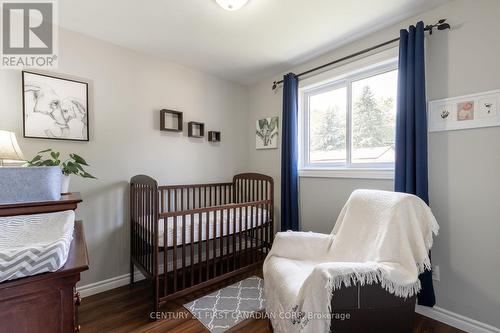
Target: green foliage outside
<point x="372" y="124"/>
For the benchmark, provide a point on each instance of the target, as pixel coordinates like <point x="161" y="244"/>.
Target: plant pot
<point x="65" y="184"/>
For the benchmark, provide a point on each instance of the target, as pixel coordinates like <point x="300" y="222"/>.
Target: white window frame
<point x="348" y="169"/>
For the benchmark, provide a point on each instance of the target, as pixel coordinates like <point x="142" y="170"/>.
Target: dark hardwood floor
<point x="127" y="309"/>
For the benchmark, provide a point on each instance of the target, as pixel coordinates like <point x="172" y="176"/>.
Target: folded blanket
<point x="379" y="237"/>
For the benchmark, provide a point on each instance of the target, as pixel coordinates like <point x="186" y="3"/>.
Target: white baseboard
<point x="105" y="285"/>
<point x="454" y="319"/>
<point x="450" y="318"/>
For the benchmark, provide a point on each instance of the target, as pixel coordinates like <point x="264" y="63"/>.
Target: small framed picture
<point x="465" y="111"/>
<point x="266" y="133"/>
<point x="55" y="108"/>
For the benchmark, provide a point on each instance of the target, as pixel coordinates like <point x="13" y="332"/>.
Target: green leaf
<point x="70" y="168"/>
<point x="85" y="174"/>
<point x="55" y="155"/>
<point x="36" y="158"/>
<point x="78" y="159"/>
<point x="45" y="151"/>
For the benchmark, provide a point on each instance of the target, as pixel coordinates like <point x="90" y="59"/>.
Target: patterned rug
<point x="221" y="310"/>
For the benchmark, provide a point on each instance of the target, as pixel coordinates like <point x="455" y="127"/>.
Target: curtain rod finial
<point x="274" y="85"/>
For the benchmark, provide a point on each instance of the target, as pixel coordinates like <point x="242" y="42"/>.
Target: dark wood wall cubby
<point x="214" y="136"/>
<point x="177" y="120"/>
<point x="196" y="129"/>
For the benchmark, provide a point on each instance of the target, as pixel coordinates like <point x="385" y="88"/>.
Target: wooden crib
<point x="186" y="237"/>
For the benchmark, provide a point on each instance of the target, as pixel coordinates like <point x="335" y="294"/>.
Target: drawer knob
<point x="78" y="299"/>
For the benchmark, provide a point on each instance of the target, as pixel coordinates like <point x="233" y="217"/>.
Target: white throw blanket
<point x="379" y="237"/>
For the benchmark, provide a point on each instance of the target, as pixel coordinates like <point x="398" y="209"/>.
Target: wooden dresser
<point x="46" y="302"/>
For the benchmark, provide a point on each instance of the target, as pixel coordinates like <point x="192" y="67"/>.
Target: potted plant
<point x="73" y="165"/>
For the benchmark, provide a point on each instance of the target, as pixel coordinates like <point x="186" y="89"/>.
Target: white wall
<point x="127" y="91"/>
<point x="463" y="165"/>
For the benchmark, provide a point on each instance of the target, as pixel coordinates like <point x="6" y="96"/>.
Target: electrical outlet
<point x="436" y="276"/>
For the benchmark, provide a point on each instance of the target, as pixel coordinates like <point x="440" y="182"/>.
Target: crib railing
<point x="210" y="232"/>
<point x="175" y="198"/>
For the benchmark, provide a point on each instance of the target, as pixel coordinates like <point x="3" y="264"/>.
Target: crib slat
<point x="200" y="243"/>
<point x="220" y="194"/>
<point x="221" y="241"/>
<point x="207" y="249"/>
<point x="169" y="200"/>
<point x="240" y="233"/>
<point x="261" y="230"/>
<point x="174" y="253"/>
<point x="199" y="198"/>
<point x="210" y="196"/>
<point x="191" y="238"/>
<point x="254" y="233"/>
<point x="175" y="200"/>
<point x="165" y="256"/>
<point x="254" y="183"/>
<point x="183" y="251"/>
<point x="205" y="196"/>
<point x="247" y="216"/>
<point x="214" y="243"/>
<point x="233" y="213"/>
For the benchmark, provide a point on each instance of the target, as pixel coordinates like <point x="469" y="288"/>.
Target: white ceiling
<point x="260" y="40"/>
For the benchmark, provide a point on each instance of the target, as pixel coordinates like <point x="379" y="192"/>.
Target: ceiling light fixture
<point x="231" y="5"/>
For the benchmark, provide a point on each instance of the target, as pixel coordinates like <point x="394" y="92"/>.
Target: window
<point x="349" y="123"/>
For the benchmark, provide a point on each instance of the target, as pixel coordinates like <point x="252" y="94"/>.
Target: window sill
<point x="359" y="173"/>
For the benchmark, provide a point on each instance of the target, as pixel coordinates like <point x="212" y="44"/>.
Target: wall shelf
<point x="196" y="129"/>
<point x="170" y="120"/>
<point x="214" y="136"/>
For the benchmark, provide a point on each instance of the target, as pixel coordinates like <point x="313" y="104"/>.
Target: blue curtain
<point x="289" y="155"/>
<point x="411" y="130"/>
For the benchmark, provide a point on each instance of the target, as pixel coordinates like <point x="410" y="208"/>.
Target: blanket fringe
<point x="369" y="278"/>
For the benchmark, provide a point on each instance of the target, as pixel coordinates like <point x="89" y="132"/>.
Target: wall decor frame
<point x="54" y="107"/>
<point x="464" y="112"/>
<point x="214" y="136"/>
<point x="266" y="133"/>
<point x="196" y="129"/>
<point x="176" y="117"/>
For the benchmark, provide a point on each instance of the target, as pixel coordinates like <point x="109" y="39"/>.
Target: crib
<point x="187" y="237"/>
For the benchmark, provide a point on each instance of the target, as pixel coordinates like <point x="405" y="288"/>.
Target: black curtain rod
<point x="440" y="25"/>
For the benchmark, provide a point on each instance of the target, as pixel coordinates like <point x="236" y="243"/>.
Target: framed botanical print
<point x="54" y="107"/>
<point x="266" y="133"/>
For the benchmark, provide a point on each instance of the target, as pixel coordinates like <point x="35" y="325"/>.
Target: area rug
<point x="223" y="309"/>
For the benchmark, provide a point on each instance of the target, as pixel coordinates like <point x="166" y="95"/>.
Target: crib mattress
<point x="223" y="225"/>
<point x="34" y="244"/>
